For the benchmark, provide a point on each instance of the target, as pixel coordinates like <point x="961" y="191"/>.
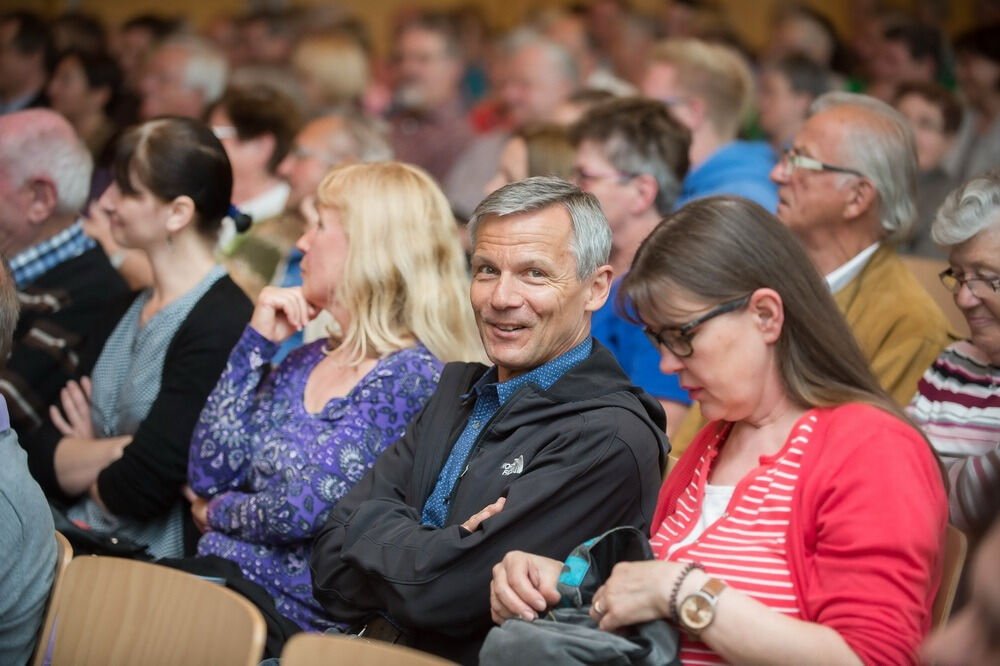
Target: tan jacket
<point x="897" y="324"/>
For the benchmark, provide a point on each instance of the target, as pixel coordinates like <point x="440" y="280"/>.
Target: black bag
<point x="568" y="636"/>
<point x="96" y="542"/>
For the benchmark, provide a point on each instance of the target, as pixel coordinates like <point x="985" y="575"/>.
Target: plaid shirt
<point x="69" y="243"/>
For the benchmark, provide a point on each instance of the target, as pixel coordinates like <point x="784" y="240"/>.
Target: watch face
<point x="696" y="612"/>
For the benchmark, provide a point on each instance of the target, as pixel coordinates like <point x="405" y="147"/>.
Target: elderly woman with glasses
<point x="957" y="403"/>
<point x="804" y="523"/>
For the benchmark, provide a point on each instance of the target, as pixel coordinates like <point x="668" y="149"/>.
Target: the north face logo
<point x="515" y="467"/>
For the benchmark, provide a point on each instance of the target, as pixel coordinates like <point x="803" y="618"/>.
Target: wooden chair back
<point x="955" y="550"/>
<point x="317" y="649"/>
<point x="64" y="553"/>
<point x="116" y="611"/>
<point x="926" y="270"/>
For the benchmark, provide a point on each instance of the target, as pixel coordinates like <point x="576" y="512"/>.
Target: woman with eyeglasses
<point x="957" y="402"/>
<point x="804" y="523"/>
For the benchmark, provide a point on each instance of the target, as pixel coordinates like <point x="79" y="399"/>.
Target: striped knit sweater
<point x="746" y="547"/>
<point x="958" y="406"/>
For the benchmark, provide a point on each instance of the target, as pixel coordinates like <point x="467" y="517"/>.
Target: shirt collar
<point x="68" y="244"/>
<point x="841" y="276"/>
<point x="544" y="375"/>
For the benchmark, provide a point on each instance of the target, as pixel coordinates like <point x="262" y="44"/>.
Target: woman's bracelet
<point x="672" y="602"/>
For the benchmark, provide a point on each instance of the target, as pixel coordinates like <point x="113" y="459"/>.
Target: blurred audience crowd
<point x="185" y="207"/>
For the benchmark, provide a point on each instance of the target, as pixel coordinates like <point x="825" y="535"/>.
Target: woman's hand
<point x="635" y="592"/>
<point x="523" y="586"/>
<point x="473" y="523"/>
<point x="78" y="462"/>
<point x="281" y="312"/>
<point x="199" y="509"/>
<point x="75" y="398"/>
<point x="97" y="225"/>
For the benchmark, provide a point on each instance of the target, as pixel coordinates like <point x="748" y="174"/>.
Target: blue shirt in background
<point x="639" y="359"/>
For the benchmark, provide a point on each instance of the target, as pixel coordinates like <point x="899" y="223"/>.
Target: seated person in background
<point x="535" y="150"/>
<point x="27" y="544"/>
<point x="428" y="117"/>
<point x="788" y="531"/>
<point x="118" y="448"/>
<point x="64" y="280"/>
<point x="908" y="51"/>
<point x="957" y="403"/>
<point x="977" y="68"/>
<point x="548" y="447"/>
<point x="333" y="71"/>
<point x="709" y="89"/>
<point x="632" y="155"/>
<point x="323" y="143"/>
<point x="182" y="76"/>
<point x="84" y="88"/>
<point x="28" y="52"/>
<point x="847" y="195"/>
<point x="786" y="90"/>
<point x="272" y="453"/>
<point x="970" y="638"/>
<point x="256" y="125"/>
<point x="934" y="115"/>
<point x="846" y="192"/>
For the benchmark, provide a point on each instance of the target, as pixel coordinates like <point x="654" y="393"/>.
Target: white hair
<point x="968" y="210"/>
<point x="206" y="69"/>
<point x="882" y="147"/>
<point x="40" y="143"/>
<point x="360" y="138"/>
<point x="560" y="59"/>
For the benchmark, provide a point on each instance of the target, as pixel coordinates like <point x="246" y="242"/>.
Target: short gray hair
<point x="968" y="210"/>
<point x="361" y="138"/>
<point x="560" y="59"/>
<point x="40" y="142"/>
<point x="206" y="69"/>
<point x="590" y="241"/>
<point x="881" y="147"/>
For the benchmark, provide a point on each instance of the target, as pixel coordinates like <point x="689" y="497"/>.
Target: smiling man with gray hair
<point x="547" y="447"/>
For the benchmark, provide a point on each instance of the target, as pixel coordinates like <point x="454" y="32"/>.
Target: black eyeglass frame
<point x="685" y="333"/>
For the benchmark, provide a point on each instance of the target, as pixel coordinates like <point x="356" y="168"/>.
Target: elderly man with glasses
<point x="846" y="189"/>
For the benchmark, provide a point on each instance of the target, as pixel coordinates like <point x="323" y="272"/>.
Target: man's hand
<point x="473" y="523"/>
<point x="523" y="586"/>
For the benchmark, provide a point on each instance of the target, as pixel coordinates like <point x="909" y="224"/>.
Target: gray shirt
<point x="27" y="549"/>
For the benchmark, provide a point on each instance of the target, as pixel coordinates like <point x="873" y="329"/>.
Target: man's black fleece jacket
<point x="589" y="449"/>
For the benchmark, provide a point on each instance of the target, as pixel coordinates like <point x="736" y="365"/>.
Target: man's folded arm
<point x="439" y="578"/>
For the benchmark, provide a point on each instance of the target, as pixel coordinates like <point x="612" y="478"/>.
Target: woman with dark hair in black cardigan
<point x="117" y="450"/>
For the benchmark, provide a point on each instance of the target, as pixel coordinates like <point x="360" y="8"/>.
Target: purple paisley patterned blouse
<point x="274" y="471"/>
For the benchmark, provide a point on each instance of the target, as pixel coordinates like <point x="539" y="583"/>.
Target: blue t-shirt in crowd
<point x="639" y="359"/>
<point x="741" y="168"/>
